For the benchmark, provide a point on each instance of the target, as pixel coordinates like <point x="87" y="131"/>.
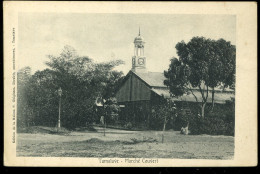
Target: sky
<point x="105" y="37"/>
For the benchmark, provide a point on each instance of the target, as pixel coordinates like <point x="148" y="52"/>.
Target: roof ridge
<point x="154" y="72"/>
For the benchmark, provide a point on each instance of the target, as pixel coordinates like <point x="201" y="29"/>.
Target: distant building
<point x="141" y="89"/>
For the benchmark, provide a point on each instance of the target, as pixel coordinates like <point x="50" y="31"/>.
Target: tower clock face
<point x="141" y="61"/>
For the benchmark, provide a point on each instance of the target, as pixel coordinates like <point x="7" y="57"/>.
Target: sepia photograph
<point x="124" y="88"/>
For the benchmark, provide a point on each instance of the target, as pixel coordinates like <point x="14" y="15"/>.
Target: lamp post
<point x="59" y="93"/>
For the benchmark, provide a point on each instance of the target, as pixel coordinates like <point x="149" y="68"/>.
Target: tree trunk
<point x="164" y="125"/>
<point x="104" y="128"/>
<point x="203" y="109"/>
<point x="204" y="100"/>
<point x="213" y="94"/>
<point x="173" y="122"/>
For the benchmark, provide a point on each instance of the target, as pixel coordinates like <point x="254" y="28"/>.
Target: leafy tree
<point x="24" y="112"/>
<point x="162" y="114"/>
<point x="202" y="64"/>
<point x="222" y="66"/>
<point x="111" y="108"/>
<point x="42" y="97"/>
<point x="107" y="78"/>
<point x="81" y="80"/>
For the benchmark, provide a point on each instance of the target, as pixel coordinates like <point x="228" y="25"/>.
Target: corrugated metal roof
<point x="152" y="78"/>
<point x="219" y="97"/>
<point x="156" y="79"/>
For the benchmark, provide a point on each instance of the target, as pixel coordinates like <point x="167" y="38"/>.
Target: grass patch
<point x="144" y="140"/>
<point x="138" y="144"/>
<point x="86" y="129"/>
<point x="45" y="130"/>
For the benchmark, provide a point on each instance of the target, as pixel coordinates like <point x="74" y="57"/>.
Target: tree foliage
<point x="23" y="109"/>
<point x="163" y="113"/>
<point x="111" y="108"/>
<point x="203" y="64"/>
<point x="81" y="80"/>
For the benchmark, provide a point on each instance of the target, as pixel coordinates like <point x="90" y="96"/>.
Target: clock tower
<point x="139" y="60"/>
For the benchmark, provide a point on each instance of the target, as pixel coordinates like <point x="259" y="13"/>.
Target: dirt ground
<point x="123" y="144"/>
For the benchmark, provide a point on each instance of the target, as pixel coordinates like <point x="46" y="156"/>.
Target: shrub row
<point x="211" y="126"/>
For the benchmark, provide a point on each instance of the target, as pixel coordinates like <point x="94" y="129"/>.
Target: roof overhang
<point x="219" y="97"/>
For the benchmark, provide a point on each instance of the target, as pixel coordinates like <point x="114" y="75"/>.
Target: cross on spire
<point x="139" y="31"/>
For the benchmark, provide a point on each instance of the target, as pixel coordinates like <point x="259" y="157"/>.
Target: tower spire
<point x="139" y="60"/>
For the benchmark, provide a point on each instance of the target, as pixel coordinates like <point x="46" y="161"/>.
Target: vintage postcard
<point x="130" y="84"/>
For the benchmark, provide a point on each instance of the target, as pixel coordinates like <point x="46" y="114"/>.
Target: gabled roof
<point x="153" y="79"/>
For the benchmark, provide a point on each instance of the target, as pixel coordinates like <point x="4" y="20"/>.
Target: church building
<point x="142" y="89"/>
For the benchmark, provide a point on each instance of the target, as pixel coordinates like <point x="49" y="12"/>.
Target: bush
<point x="128" y="125"/>
<point x="180" y="121"/>
<point x="211" y="126"/>
<point x="159" y="113"/>
<point x="220" y="121"/>
<point x="156" y="118"/>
